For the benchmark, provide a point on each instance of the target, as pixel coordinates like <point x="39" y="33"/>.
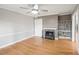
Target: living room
<point x="30" y="29"/>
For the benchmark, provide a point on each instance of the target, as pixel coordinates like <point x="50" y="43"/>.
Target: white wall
<point x="14" y="26"/>
<point x="50" y="21"/>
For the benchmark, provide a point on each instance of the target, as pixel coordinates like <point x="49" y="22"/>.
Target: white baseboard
<point x="15" y="42"/>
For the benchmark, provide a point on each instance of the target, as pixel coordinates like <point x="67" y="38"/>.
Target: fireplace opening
<point x="49" y="35"/>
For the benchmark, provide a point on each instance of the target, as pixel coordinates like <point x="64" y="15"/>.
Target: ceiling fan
<point x="34" y="9"/>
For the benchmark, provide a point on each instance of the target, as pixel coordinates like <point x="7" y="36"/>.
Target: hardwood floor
<point x="39" y="46"/>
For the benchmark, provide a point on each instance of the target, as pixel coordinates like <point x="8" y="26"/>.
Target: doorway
<point x="38" y="27"/>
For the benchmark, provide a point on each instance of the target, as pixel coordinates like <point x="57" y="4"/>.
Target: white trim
<point x="51" y="28"/>
<point x="15" y="42"/>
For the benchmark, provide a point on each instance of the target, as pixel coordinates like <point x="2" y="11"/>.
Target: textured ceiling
<point x="52" y="8"/>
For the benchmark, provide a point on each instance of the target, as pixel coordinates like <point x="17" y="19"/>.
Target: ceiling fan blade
<point x="44" y="10"/>
<point x="23" y="8"/>
<point x="28" y="12"/>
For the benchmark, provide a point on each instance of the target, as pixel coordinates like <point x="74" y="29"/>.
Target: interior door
<point x="75" y="26"/>
<point x="77" y="30"/>
<point x="38" y="27"/>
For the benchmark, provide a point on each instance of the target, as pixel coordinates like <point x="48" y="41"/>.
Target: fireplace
<point x="49" y="33"/>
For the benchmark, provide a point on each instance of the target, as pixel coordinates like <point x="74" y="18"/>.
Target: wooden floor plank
<point x="40" y="46"/>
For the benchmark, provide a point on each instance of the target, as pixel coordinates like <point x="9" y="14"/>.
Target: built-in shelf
<point x="65" y="26"/>
<point x="62" y="37"/>
<point x="64" y="30"/>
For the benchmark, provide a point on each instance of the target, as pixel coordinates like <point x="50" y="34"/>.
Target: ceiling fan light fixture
<point x="34" y="12"/>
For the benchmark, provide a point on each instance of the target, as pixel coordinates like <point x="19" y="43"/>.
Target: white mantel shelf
<point x="50" y="28"/>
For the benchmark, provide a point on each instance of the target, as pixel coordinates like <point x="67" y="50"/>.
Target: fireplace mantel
<point x="50" y="28"/>
<point x="55" y="30"/>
